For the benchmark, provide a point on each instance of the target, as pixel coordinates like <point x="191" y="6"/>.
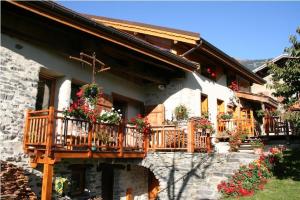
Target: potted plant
<point x="181" y="112"/>
<point x="225" y="116"/>
<point x="257" y="146"/>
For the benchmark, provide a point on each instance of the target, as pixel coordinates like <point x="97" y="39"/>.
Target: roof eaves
<point x="273" y="60"/>
<point x="236" y="64"/>
<point x="68" y="13"/>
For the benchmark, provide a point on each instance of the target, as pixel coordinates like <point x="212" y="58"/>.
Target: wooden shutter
<point x="155" y="114"/>
<point x="204" y="104"/>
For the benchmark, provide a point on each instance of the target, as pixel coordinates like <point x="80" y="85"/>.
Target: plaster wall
<point x="188" y="92"/>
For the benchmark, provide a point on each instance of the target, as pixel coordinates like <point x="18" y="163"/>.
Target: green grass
<point x="285" y="185"/>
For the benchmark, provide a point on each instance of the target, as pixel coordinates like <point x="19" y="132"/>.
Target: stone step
<point x="246" y="151"/>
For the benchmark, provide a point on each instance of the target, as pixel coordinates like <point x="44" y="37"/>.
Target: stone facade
<point x="18" y="89"/>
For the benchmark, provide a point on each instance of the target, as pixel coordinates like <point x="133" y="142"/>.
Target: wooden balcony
<point x="49" y="134"/>
<point x="240" y="125"/>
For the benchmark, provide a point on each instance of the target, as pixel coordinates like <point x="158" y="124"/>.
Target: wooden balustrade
<point x="50" y="131"/>
<point x="168" y="137"/>
<point x="244" y="125"/>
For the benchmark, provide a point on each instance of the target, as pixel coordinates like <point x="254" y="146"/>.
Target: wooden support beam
<point x="47" y="182"/>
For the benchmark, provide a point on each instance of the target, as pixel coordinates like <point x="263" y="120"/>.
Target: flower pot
<point x="258" y="150"/>
<point x="94" y="148"/>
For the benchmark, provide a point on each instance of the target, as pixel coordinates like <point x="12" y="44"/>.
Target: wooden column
<point x="90" y="154"/>
<point x="47" y="182"/>
<point x="50" y="131"/>
<point x="191" y="137"/>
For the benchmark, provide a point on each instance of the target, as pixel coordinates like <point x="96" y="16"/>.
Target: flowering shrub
<point x="110" y="117"/>
<point x="252" y="177"/>
<point x="141" y="124"/>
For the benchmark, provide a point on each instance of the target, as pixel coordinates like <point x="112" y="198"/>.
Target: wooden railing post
<point x="146" y="142"/>
<point x="121" y="138"/>
<point x="208" y="143"/>
<point x="50" y="131"/>
<point x="191" y="137"/>
<point x="26" y="129"/>
<point x="90" y="132"/>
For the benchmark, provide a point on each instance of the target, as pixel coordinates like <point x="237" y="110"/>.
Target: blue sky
<point x="244" y="30"/>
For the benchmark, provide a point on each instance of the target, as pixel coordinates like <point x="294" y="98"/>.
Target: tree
<point x="286" y="78"/>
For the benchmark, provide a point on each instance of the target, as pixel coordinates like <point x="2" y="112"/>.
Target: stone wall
<point x="18" y="89"/>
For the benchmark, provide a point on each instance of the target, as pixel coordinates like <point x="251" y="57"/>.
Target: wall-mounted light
<point x="161" y="87"/>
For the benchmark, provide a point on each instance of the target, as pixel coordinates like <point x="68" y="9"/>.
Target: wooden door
<point x="153" y="186"/>
<point x="155" y="114"/>
<point x="247" y="120"/>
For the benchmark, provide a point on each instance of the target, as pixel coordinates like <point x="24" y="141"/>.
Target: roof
<point x="232" y="62"/>
<point x="68" y="17"/>
<point x="160" y="31"/>
<point x="274" y="60"/>
<point x="257" y="97"/>
<point x="190" y="38"/>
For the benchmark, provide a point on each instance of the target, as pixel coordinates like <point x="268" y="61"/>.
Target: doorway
<point x="107" y="185"/>
<point x="153" y="186"/>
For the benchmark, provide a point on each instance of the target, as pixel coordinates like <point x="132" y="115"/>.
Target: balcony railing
<point x="49" y="132"/>
<point x="240" y="125"/>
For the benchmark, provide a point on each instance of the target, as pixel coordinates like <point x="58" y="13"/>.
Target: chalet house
<point x="49" y="52"/>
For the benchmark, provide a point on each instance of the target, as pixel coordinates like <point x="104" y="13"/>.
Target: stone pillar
<point x="63" y="93"/>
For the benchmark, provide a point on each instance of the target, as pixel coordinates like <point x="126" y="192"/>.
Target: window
<point x="75" y="87"/>
<point x="220" y="106"/>
<point x="45" y="93"/>
<point x="204" y="104"/>
<point x="129" y="107"/>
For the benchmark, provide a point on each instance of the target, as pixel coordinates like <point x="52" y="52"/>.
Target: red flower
<point x="213" y="74"/>
<point x="209" y="70"/>
<point x="79" y="93"/>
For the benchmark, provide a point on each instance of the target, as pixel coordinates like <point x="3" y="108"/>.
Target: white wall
<point x="188" y="92"/>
